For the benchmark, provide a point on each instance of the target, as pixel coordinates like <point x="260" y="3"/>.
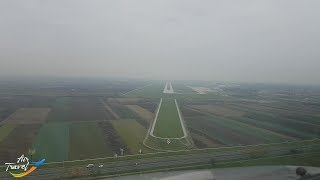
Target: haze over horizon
<point x="273" y="41"/>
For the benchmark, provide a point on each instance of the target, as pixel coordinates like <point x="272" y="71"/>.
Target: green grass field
<point x="59" y="110"/>
<point x="182" y="88"/>
<point x="153" y="91"/>
<point x="5" y="130"/>
<point x="266" y="136"/>
<point x="132" y="133"/>
<point x="52" y="142"/>
<point x="86" y="141"/>
<point x="168" y="122"/>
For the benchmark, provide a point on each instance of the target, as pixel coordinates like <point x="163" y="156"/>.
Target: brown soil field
<point x="87" y="109"/>
<point x="18" y="142"/>
<point x="112" y="137"/>
<point x="149" y="105"/>
<point x="128" y="100"/>
<point x="143" y="113"/>
<point x="28" y="116"/>
<point x="219" y="110"/>
<point x="223" y="134"/>
<point x="189" y="112"/>
<point x="203" y="142"/>
<point x="121" y="110"/>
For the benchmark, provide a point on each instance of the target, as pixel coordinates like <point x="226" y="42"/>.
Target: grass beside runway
<point x="168" y="123"/>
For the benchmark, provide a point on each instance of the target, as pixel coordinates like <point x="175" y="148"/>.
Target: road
<point x="164" y="162"/>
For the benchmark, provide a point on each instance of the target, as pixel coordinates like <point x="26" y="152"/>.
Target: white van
<point x="90" y="165"/>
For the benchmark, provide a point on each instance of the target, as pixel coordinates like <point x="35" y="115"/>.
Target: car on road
<point x="90" y="165"/>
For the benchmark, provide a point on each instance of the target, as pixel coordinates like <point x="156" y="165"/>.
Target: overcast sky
<point x="239" y="40"/>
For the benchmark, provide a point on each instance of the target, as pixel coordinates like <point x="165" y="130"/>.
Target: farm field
<point x="143" y="113"/>
<point x="19" y="141"/>
<point x="132" y="133"/>
<point x="52" y="142"/>
<point x="28" y="116"/>
<point x="87" y="141"/>
<point x="86" y="122"/>
<point x="5" y="130"/>
<point x="155" y="90"/>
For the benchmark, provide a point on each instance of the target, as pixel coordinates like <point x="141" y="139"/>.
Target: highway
<point x="162" y="162"/>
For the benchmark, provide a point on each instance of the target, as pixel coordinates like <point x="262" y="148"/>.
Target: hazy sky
<point x="239" y="40"/>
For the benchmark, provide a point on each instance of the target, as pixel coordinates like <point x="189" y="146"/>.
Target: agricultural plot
<point x="132" y="133"/>
<point x="10" y="104"/>
<point x="73" y="109"/>
<point x="18" y="142"/>
<point x="230" y="132"/>
<point x="60" y="110"/>
<point x="28" y="116"/>
<point x="235" y="121"/>
<point x="121" y="111"/>
<point x="219" y="110"/>
<point x="202" y="141"/>
<point x="149" y="104"/>
<point x="112" y="137"/>
<point x="87" y="109"/>
<point x="5" y="130"/>
<point x="52" y="142"/>
<point x="87" y="141"/>
<point x="127" y="101"/>
<point x="279" y="123"/>
<point x="143" y="113"/>
<point x="155" y="90"/>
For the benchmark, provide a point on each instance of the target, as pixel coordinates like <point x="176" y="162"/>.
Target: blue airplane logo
<point x="39" y="163"/>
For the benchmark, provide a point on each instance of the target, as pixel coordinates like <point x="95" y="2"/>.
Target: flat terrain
<point x="28" y="116"/>
<point x="52" y="142"/>
<point x="79" y="120"/>
<point x="168" y="123"/>
<point x="5" y="130"/>
<point x="219" y="110"/>
<point x="155" y="90"/>
<point x="143" y="113"/>
<point x="132" y="133"/>
<point x="87" y="141"/>
<point x="18" y="142"/>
